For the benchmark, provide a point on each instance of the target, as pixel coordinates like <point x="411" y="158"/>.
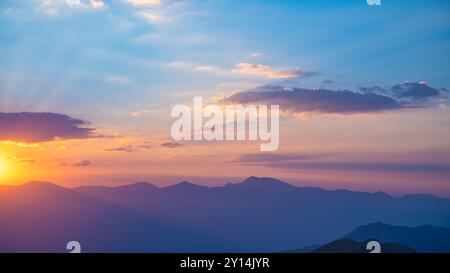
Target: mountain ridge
<point x="245" y="184"/>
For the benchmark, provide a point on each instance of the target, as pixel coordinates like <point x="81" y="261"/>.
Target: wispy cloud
<point x="130" y="148"/>
<point x="171" y="145"/>
<point x="269" y="72"/>
<point x="197" y="67"/>
<point x="323" y="162"/>
<point x="127" y="148"/>
<point x="156" y="12"/>
<point x="256" y="54"/>
<point x="154" y="17"/>
<point x="117" y="80"/>
<point x="82" y="163"/>
<point x="245" y="70"/>
<point x="144" y="2"/>
<point x="57" y="7"/>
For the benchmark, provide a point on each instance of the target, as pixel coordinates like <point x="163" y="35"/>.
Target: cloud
<point x="144" y="2"/>
<point x="52" y="8"/>
<point x="416" y="91"/>
<point x="267" y="71"/>
<point x="154" y="17"/>
<point x="83" y="163"/>
<point x="20" y="160"/>
<point x="96" y="4"/>
<point x="244" y="69"/>
<point x="207" y="68"/>
<point x="256" y="54"/>
<point x="372" y="89"/>
<point x="40" y="127"/>
<point x="368" y="100"/>
<point x="310" y="162"/>
<point x="156" y="12"/>
<point x="155" y="109"/>
<point x="130" y="148"/>
<point x="55" y="7"/>
<point x="197" y="68"/>
<point x="300" y="100"/>
<point x="171" y="145"/>
<point x="117" y="80"/>
<point x="409" y="91"/>
<point x="127" y="148"/>
<point x="27" y="161"/>
<point x="146" y="145"/>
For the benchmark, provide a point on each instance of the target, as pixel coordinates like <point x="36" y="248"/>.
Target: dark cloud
<point x="318" y="100"/>
<point x="83" y="163"/>
<point x="171" y="144"/>
<point x="368" y="100"/>
<point x="41" y="127"/>
<point x="415" y="90"/>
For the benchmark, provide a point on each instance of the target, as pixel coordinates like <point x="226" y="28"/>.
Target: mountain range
<point x="351" y="246"/>
<point x="256" y="215"/>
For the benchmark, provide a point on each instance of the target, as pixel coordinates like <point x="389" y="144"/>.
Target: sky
<point x="86" y="91"/>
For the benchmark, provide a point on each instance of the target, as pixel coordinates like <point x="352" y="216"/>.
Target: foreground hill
<point x="350" y="246"/>
<point x="424" y="238"/>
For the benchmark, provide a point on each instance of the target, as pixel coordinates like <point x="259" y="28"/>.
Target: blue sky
<point x="59" y="57"/>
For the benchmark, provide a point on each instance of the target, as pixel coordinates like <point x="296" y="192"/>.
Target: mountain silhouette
<point x="351" y="246"/>
<point x="423" y="238"/>
<point x="43" y="217"/>
<point x="256" y="215"/>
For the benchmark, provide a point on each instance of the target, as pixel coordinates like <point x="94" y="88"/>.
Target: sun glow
<point x="3" y="167"/>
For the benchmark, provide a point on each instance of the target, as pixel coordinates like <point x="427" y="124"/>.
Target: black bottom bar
<point x="279" y="262"/>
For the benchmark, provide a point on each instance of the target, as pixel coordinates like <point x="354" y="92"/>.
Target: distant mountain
<point x="424" y="238"/>
<point x="258" y="214"/>
<point x="350" y="246"/>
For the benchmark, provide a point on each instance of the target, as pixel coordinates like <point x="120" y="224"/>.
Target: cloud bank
<point x="322" y="162"/>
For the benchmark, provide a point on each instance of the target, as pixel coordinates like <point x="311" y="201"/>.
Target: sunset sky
<point x="86" y="91"/>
